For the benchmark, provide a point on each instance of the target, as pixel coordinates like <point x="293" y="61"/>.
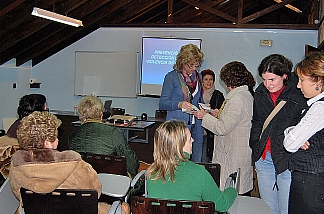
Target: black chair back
<point x="142" y="205"/>
<point x="110" y="164"/>
<point x="213" y="169"/>
<point x="60" y="201"/>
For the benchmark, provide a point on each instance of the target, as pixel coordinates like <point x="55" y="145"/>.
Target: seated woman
<point x="27" y="105"/>
<point x="38" y="166"/>
<point x="96" y="137"/>
<point x="173" y="176"/>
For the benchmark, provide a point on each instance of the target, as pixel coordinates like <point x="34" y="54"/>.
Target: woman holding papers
<point x="306" y="141"/>
<point x="233" y="125"/>
<point x="181" y="93"/>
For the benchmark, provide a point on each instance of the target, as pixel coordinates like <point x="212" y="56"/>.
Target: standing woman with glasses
<point x="181" y="91"/>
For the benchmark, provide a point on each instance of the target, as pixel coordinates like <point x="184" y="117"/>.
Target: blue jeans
<point x="276" y="197"/>
<point x="197" y="145"/>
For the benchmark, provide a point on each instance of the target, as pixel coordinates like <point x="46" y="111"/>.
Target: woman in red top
<point x="268" y="153"/>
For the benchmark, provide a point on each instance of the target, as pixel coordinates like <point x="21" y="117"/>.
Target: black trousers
<point x="306" y="193"/>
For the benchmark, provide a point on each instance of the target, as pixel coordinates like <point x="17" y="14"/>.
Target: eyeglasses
<point x="191" y="66"/>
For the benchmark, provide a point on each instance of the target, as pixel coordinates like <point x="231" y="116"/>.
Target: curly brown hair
<point x="37" y="127"/>
<point x="90" y="107"/>
<point x="235" y="74"/>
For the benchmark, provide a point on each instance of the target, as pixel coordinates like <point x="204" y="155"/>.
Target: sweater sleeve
<point x="311" y="123"/>
<point x="229" y="120"/>
<point x="167" y="90"/>
<point x="123" y="149"/>
<point x="222" y="200"/>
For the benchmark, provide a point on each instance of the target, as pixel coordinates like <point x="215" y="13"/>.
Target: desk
<point x="142" y="126"/>
<point x="249" y="205"/>
<point x="114" y="185"/>
<point x="138" y="126"/>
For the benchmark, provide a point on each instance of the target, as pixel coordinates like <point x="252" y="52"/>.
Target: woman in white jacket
<point x="231" y="125"/>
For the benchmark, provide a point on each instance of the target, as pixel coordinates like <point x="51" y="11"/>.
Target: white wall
<point x="220" y="46"/>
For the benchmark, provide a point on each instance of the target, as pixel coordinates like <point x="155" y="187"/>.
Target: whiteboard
<point x="112" y="74"/>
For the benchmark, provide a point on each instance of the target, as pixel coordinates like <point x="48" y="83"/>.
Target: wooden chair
<point x="213" y="169"/>
<point x="142" y="205"/>
<point x="60" y="201"/>
<point x="109" y="164"/>
<point x="8" y="201"/>
<point x="64" y="201"/>
<point x="117" y="111"/>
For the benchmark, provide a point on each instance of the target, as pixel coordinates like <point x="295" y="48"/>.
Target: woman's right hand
<point x="214" y="112"/>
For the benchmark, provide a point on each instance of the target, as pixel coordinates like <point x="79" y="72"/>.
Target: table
<point x="114" y="185"/>
<point x="249" y="205"/>
<point x="141" y="126"/>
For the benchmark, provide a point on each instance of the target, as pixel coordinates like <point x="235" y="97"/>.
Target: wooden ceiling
<point x="26" y="37"/>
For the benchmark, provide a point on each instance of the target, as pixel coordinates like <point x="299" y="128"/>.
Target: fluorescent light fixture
<point x="290" y="6"/>
<point x="56" y="17"/>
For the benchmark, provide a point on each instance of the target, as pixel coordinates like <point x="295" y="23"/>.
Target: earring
<point x="316" y="88"/>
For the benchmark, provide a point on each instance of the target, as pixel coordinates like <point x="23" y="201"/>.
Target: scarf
<point x="188" y="84"/>
<point x="208" y="93"/>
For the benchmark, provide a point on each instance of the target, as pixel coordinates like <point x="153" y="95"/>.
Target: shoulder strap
<point x="272" y="114"/>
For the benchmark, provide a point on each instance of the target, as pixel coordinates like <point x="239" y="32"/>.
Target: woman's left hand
<point x="305" y="146"/>
<point x="200" y="113"/>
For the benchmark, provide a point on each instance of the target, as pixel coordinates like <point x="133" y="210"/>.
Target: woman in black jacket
<point x="306" y="140"/>
<point x="215" y="99"/>
<point x="268" y="153"/>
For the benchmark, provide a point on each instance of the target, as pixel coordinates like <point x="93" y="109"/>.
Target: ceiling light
<point x="290" y="6"/>
<point x="56" y="17"/>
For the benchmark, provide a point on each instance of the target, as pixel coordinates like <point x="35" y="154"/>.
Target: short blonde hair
<point x="188" y="53"/>
<point x="90" y="107"/>
<point x="37" y="127"/>
<point x="169" y="139"/>
<point x="312" y="66"/>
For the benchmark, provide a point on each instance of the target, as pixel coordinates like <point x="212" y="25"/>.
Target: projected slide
<point x="158" y="57"/>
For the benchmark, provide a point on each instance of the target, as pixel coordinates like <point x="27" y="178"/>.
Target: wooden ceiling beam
<point x="266" y="11"/>
<point x="34" y="41"/>
<point x="11" y="7"/>
<point x="146" y="9"/>
<point x="170" y="11"/>
<point x="211" y="10"/>
<point x="92" y="21"/>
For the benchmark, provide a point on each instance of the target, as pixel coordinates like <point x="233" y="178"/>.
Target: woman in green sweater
<point x="173" y="176"/>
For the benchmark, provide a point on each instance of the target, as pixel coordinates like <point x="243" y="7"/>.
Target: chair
<point x="110" y="164"/>
<point x="245" y="204"/>
<point x="213" y="169"/>
<point x="63" y="201"/>
<point x="8" y="201"/>
<point x="106" y="163"/>
<point x="234" y="180"/>
<point x="142" y="205"/>
<point x="117" y="111"/>
<point x="160" y="114"/>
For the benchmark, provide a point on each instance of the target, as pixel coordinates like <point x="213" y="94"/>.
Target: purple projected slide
<point x="158" y="57"/>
